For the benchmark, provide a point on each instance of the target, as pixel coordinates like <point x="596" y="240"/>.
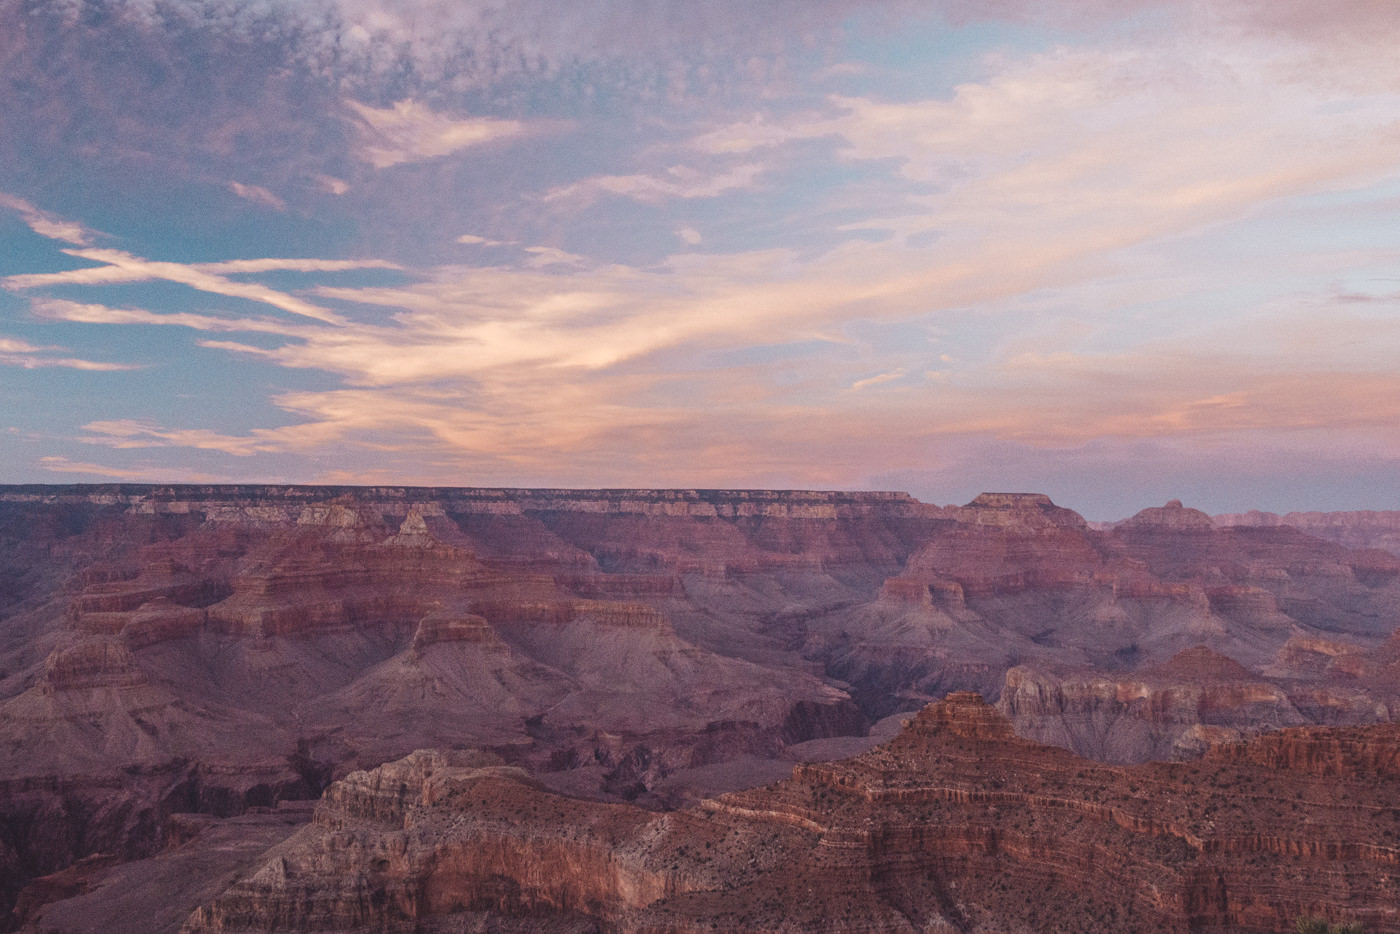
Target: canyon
<point x="687" y="710"/>
<point x="955" y="824"/>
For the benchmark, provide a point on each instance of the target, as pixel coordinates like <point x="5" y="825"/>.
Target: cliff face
<point x="954" y="825"/>
<point x="1017" y="584"/>
<point x="1177" y="710"/>
<point x="244" y="644"/>
<point x="1359" y="529"/>
<point x="248" y="644"/>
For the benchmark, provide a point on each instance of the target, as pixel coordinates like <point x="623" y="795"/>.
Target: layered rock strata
<point x="955" y="825"/>
<point x="1177" y="710"/>
<point x="1378" y="529"/>
<point x="255" y="642"/>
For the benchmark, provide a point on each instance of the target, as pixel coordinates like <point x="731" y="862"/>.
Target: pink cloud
<point x="410" y="132"/>
<point x="22" y="354"/>
<point x="61" y="310"/>
<point x="46" y="224"/>
<point x="119" y="267"/>
<point x="128" y="434"/>
<point x="258" y="195"/>
<point x="56" y="464"/>
<point x="676" y="182"/>
<point x="1059" y="179"/>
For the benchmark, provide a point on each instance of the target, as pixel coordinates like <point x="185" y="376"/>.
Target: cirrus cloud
<point x="410" y="132"/>
<point x="1103" y="238"/>
<point x="21" y="353"/>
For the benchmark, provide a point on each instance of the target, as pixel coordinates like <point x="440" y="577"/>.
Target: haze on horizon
<point x="1113" y="252"/>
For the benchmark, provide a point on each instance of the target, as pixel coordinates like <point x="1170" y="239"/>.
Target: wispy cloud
<point x="1014" y="257"/>
<point x="758" y="132"/>
<point x="878" y="379"/>
<point x="1066" y="403"/>
<point x="47" y="225"/>
<point x="678" y="181"/>
<point x="411" y="132"/>
<point x="258" y="195"/>
<point x="126" y="433"/>
<point x="87" y="313"/>
<point x="269" y="108"/>
<point x="331" y="184"/>
<point x="19" y="353"/>
<point x="58" y="464"/>
<point x="276" y="264"/>
<point x="1352" y="25"/>
<point x="542" y="256"/>
<point x="122" y="267"/>
<point x="480" y="42"/>
<point x="1027" y="206"/>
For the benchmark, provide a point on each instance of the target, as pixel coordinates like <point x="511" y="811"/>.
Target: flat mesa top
<point x="130" y="492"/>
<point x="994" y="508"/>
<point x="1010" y="500"/>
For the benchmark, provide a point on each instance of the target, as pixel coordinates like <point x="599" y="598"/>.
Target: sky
<point x="1117" y="252"/>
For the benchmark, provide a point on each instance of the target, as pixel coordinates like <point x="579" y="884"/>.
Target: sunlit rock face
<point x="167" y="651"/>
<point x="955" y="824"/>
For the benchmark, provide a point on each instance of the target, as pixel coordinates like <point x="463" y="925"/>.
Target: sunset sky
<point x="1116" y="252"/>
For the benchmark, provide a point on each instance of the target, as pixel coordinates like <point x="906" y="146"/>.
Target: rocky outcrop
<point x="1353" y="754"/>
<point x="1172" y="711"/>
<point x="442" y="626"/>
<point x="97" y="663"/>
<point x="1249" y="606"/>
<point x="1018" y="510"/>
<point x="1171" y="516"/>
<point x="1301" y="656"/>
<point x="954" y="825"/>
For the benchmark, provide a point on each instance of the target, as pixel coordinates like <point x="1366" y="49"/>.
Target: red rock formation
<point x="439" y="627"/>
<point x="1171" y="516"/>
<point x="89" y="665"/>
<point x="614" y="641"/>
<point x="1365" y="754"/>
<point x="1378" y="529"/>
<point x="1172" y="711"/>
<point x="954" y="825"/>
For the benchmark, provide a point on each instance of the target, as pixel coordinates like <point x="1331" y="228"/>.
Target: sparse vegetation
<point x="1310" y="925"/>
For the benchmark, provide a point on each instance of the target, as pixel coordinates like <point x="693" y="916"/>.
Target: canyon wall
<point x="954" y="825"/>
<point x="1356" y="529"/>
<point x="219" y="649"/>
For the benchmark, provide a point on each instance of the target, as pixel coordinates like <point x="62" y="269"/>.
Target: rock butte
<point x="180" y="666"/>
